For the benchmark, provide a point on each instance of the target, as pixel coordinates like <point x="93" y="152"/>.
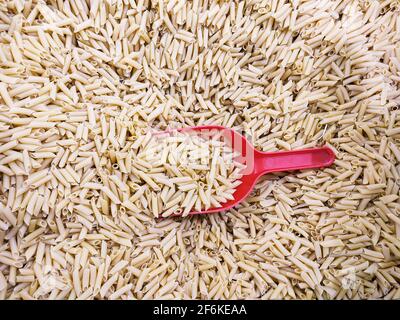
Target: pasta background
<point x="81" y="82"/>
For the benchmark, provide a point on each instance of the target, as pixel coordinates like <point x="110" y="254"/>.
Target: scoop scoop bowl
<point x="259" y="163"/>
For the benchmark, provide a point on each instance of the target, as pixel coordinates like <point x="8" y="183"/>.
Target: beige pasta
<point x="88" y="186"/>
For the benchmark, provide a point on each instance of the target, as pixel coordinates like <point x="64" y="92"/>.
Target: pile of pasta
<point x="81" y="81"/>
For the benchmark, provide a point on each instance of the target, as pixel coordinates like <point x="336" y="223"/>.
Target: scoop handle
<point x="293" y="160"/>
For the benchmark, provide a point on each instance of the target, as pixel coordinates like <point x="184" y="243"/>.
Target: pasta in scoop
<point x="185" y="172"/>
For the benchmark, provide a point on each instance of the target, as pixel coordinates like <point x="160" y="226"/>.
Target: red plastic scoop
<point x="258" y="163"/>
